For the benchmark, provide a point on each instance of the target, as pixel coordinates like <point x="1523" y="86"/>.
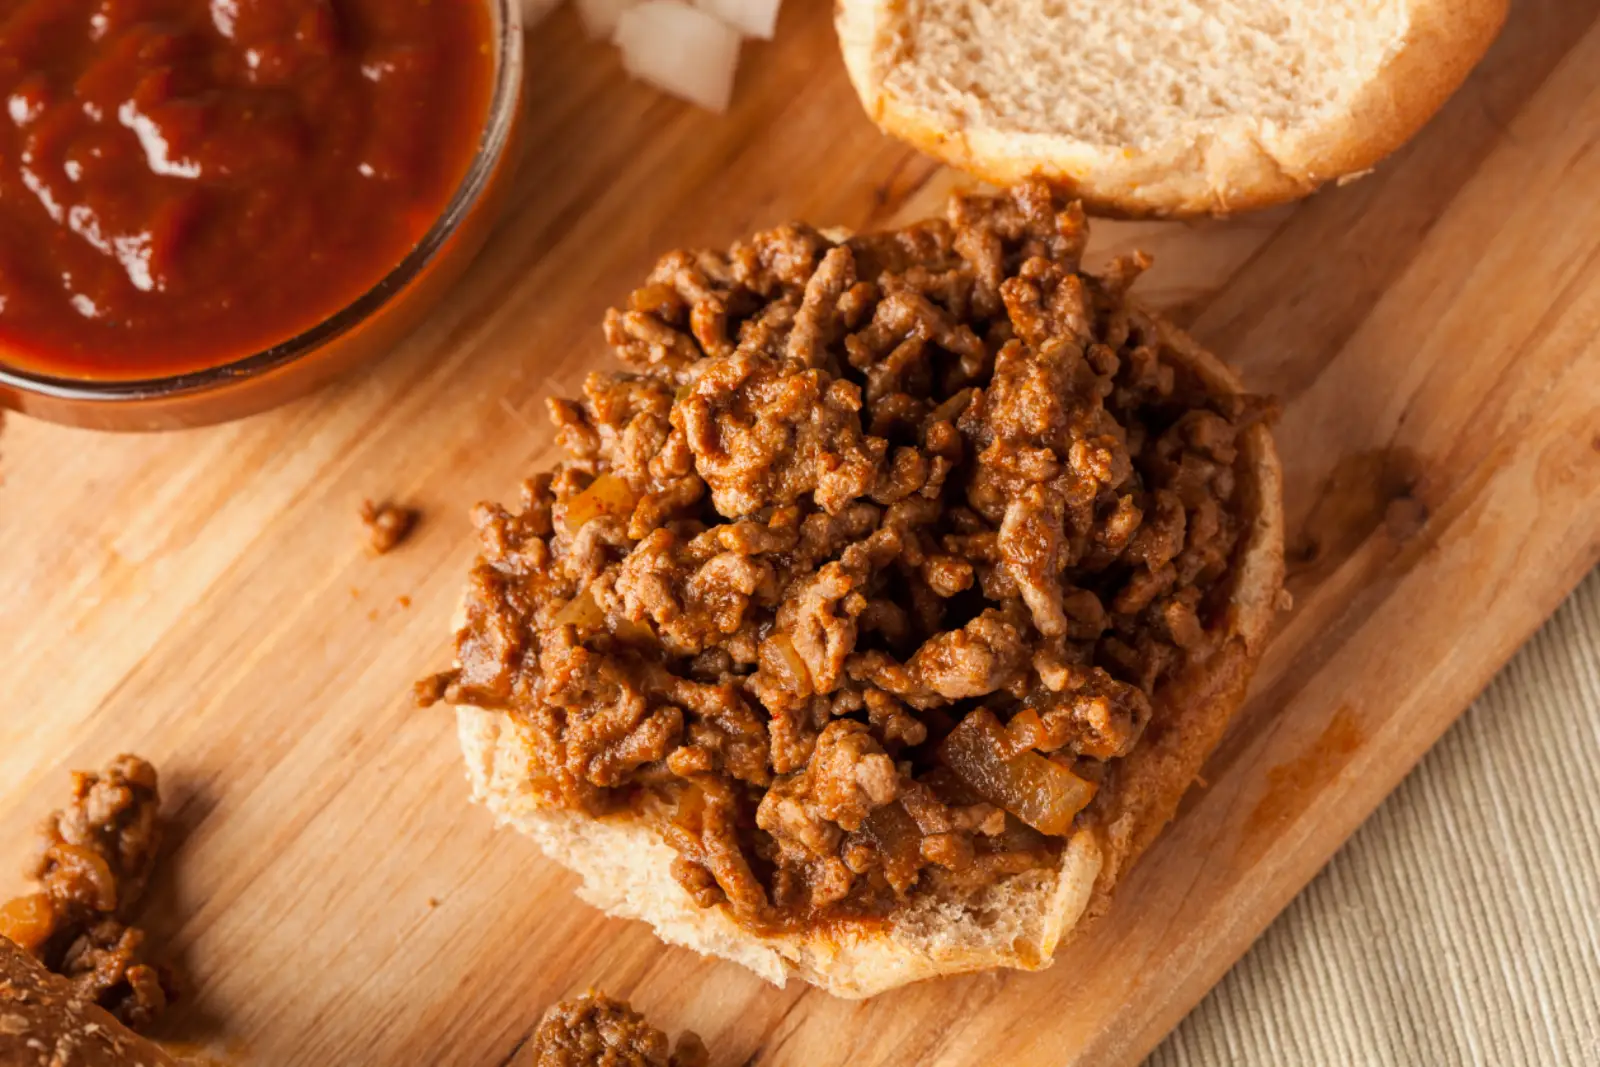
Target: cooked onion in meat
<point x="1042" y="794"/>
<point x="608" y="497"/>
<point x="681" y="49"/>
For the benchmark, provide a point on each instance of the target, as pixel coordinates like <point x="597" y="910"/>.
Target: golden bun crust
<point x="1233" y="166"/>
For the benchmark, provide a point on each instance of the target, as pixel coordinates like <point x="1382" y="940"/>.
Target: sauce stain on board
<point x="1365" y="491"/>
<point x="1294" y="786"/>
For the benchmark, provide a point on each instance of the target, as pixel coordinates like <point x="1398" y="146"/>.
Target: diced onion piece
<point x="608" y="496"/>
<point x="753" y="18"/>
<point x="637" y="633"/>
<point x="534" y="11"/>
<point x="581" y="611"/>
<point x="1018" y="837"/>
<point x="599" y="17"/>
<point x="1042" y="794"/>
<point x="781" y="663"/>
<point x="899" y="844"/>
<point x="680" y="49"/>
<point x="690" y="811"/>
<point x="28" y="921"/>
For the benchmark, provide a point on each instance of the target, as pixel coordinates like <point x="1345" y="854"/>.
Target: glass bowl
<point x="365" y="329"/>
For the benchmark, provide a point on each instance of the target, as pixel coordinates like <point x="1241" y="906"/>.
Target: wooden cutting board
<point x="206" y="598"/>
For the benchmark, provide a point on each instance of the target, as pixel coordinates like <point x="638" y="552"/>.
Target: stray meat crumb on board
<point x="594" y="1030"/>
<point x="94" y="860"/>
<point x="868" y="565"/>
<point x="432" y="689"/>
<point x="388" y="525"/>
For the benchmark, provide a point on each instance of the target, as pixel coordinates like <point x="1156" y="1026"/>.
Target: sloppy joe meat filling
<point x="861" y="576"/>
<point x="94" y="859"/>
<point x="596" y="1031"/>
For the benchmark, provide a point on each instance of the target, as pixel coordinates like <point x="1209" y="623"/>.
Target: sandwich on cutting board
<point x="889" y="597"/>
<point x="896" y="588"/>
<point x="1162" y="107"/>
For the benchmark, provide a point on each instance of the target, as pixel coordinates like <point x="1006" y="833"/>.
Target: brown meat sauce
<point x="94" y="860"/>
<point x="864" y="572"/>
<point x="596" y="1031"/>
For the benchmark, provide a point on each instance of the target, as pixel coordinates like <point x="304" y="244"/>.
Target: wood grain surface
<point x="206" y="599"/>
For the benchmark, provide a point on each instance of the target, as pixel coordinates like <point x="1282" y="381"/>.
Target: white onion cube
<point x="753" y="18"/>
<point x="680" y="49"/>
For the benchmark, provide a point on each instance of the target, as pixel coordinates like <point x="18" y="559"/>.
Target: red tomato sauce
<point x="184" y="183"/>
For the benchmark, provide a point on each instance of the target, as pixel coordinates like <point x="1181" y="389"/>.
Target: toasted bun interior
<point x="1164" y="107"/>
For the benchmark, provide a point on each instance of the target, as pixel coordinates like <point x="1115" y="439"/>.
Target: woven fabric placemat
<point x="1461" y="924"/>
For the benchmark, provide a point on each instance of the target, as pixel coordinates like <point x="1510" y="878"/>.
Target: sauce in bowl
<point x="186" y="182"/>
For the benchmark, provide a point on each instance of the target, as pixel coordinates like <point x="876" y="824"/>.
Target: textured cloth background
<point x="1461" y="924"/>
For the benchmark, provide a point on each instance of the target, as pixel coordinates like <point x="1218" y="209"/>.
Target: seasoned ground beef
<point x="866" y="569"/>
<point x="94" y="859"/>
<point x="596" y="1031"/>
<point x="46" y="1022"/>
<point x="388" y="525"/>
